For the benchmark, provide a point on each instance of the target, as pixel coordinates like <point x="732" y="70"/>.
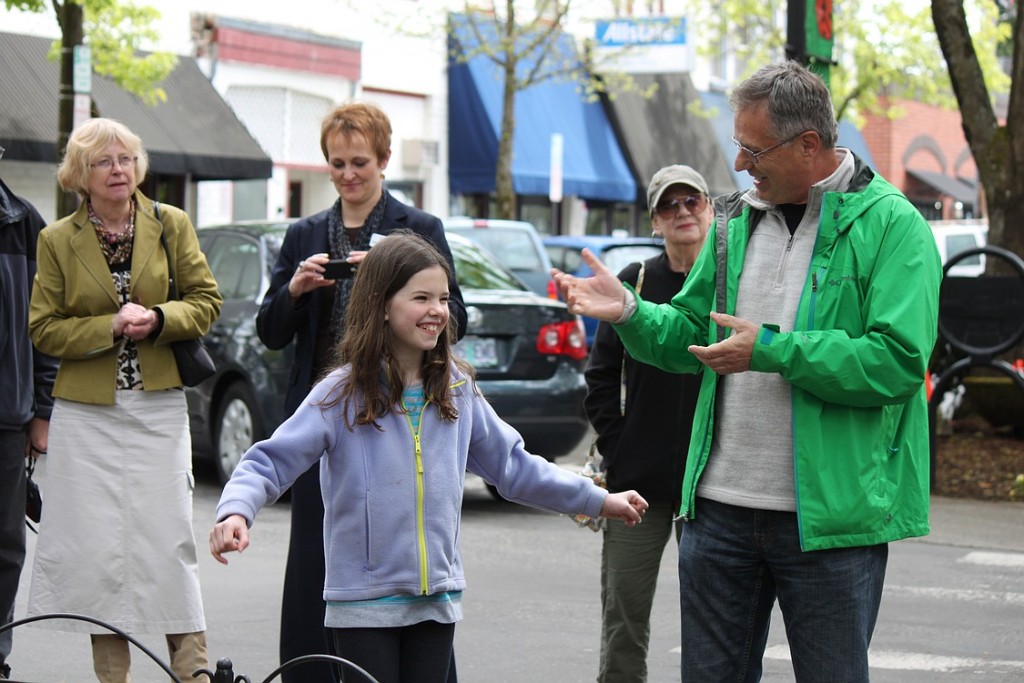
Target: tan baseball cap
<point x="676" y="174"/>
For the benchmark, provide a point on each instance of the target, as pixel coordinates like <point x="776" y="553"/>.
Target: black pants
<point x="420" y="653"/>
<point x="303" y="607"/>
<point x="12" y="528"/>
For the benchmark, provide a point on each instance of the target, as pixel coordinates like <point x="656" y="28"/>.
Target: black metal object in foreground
<point x="981" y="317"/>
<point x="319" y="658"/>
<point x="91" y="620"/>
<point x="224" y="672"/>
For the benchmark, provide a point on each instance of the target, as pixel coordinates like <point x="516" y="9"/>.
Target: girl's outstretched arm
<point x="629" y="506"/>
<point x="231" y="533"/>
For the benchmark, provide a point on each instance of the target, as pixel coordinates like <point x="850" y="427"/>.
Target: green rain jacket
<point x="856" y="360"/>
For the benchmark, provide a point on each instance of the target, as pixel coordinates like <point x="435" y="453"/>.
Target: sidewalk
<point x="977" y="524"/>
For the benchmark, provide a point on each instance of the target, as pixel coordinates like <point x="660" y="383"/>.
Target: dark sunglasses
<point x="694" y="203"/>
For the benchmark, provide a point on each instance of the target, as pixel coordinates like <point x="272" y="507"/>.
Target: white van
<point x="954" y="237"/>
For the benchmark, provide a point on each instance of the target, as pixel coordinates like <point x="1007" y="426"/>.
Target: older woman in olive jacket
<point x="116" y="540"/>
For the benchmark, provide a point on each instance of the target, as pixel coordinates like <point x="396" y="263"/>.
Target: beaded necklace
<point x="116" y="246"/>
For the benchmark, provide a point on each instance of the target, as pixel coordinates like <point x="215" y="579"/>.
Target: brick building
<point x="924" y="153"/>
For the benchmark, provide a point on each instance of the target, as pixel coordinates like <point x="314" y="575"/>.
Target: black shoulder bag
<point x="194" y="362"/>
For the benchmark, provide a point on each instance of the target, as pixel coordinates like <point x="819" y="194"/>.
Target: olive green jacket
<point x="856" y="360"/>
<point x="74" y="302"/>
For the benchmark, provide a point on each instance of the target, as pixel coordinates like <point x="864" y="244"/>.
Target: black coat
<point x="26" y="375"/>
<point x="645" y="449"/>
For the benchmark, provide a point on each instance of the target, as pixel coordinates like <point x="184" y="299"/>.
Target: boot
<point x="111" y="658"/>
<point x="188" y="653"/>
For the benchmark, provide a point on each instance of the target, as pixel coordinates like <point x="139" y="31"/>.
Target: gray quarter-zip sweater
<point x="751" y="461"/>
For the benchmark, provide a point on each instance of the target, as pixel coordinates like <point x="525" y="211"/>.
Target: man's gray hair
<point x="797" y="99"/>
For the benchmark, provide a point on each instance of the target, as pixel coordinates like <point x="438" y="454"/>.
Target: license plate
<point x="480" y="352"/>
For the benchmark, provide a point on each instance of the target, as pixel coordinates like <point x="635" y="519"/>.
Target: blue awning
<point x="593" y="164"/>
<point x="849" y="136"/>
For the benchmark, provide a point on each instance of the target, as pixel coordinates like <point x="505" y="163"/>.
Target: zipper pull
<point x="814" y="282"/>
<point x="419" y="451"/>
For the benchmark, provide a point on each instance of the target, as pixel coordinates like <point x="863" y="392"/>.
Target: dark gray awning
<point x="194" y="132"/>
<point x="943" y="184"/>
<point x="661" y="130"/>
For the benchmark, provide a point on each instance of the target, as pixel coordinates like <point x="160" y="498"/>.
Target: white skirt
<point x="116" y="540"/>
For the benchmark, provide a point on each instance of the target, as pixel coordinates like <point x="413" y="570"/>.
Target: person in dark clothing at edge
<point x="301" y="304"/>
<point x="27" y="377"/>
<point x="642" y="417"/>
<point x="812" y="314"/>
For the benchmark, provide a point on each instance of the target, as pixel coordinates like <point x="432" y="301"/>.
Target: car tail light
<point x="563" y="339"/>
<point x="553" y="290"/>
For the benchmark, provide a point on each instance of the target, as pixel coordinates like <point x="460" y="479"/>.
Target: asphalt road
<point x="953" y="609"/>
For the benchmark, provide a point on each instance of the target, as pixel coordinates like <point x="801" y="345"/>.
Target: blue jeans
<point x="734" y="562"/>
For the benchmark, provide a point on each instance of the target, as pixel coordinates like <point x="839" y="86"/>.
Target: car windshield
<point x="617" y="258"/>
<point x="475" y="270"/>
<point x="518" y="250"/>
<point x="955" y="244"/>
<point x="274" y="241"/>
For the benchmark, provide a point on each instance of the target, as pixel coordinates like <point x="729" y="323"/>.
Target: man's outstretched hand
<point x="599" y="296"/>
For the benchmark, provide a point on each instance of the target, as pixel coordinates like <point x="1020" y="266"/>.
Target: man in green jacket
<point x="814" y="308"/>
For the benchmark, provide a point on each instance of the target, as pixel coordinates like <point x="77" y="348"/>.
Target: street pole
<point x="71" y="36"/>
<point x="555" y="181"/>
<point x="809" y="35"/>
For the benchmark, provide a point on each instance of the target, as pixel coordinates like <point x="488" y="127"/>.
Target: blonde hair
<point x="88" y="141"/>
<point x="368" y="120"/>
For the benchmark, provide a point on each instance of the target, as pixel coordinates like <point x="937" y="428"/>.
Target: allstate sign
<point x="643" y="31"/>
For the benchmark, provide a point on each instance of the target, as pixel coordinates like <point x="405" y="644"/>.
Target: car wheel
<point x="235" y="428"/>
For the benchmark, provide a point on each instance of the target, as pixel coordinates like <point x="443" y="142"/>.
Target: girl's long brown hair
<point x="374" y="386"/>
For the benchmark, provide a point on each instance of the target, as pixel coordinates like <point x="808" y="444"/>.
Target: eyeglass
<point x="694" y="203"/>
<point x="106" y="163"/>
<point x="756" y="156"/>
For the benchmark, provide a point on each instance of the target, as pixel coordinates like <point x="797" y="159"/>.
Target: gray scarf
<point x="340" y="247"/>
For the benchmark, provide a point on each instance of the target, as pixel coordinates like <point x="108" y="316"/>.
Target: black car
<point x="528" y="351"/>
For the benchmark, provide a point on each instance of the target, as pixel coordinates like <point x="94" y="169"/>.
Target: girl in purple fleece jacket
<point x="395" y="428"/>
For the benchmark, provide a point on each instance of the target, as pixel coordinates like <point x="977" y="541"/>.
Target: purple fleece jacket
<point x="394" y="498"/>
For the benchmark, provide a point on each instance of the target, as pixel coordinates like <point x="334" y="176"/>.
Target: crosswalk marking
<point x="995" y="559"/>
<point x="917" y="661"/>
<point x="959" y="594"/>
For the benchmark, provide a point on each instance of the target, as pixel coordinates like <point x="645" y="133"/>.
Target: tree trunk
<point x="506" y="194"/>
<point x="71" y="35"/>
<point x="504" y="189"/>
<point x="998" y="149"/>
